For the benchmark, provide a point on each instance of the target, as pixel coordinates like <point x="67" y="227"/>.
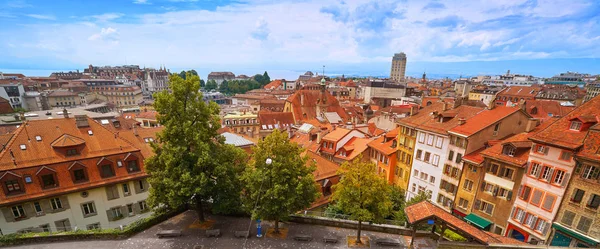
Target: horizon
<point x="449" y="38"/>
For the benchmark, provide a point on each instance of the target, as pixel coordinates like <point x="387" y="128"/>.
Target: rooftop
<point x="236" y="140"/>
<point x="483" y="119"/>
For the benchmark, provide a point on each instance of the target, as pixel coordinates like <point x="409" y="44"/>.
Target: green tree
<point x="211" y="85"/>
<point x="182" y="74"/>
<point x="285" y="186"/>
<point x="266" y="78"/>
<point x="202" y="83"/>
<point x="259" y="78"/>
<point x="224" y="87"/>
<point x="191" y="162"/>
<point x="362" y="193"/>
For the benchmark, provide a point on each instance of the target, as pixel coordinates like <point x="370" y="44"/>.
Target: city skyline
<point x="527" y="37"/>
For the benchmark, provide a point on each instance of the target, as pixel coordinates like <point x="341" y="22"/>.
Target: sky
<point x="286" y="38"/>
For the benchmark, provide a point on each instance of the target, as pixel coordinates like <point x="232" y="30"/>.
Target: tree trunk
<point x="358" y="241"/>
<point x="199" y="209"/>
<point x="276" y="226"/>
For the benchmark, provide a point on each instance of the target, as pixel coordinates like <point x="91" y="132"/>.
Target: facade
<point x="407" y="136"/>
<point x="351" y="86"/>
<point x="67" y="75"/>
<point x="383" y="92"/>
<point x="571" y="95"/>
<point x="14" y="92"/>
<point x="462" y="88"/>
<point x="577" y="223"/>
<point x="551" y="164"/>
<point x="270" y="121"/>
<point x="383" y="154"/>
<point x="398" y="71"/>
<point x="486" y="95"/>
<point x="155" y="81"/>
<point x="219" y="77"/>
<point x="312" y="104"/>
<point x="246" y="123"/>
<point x="70" y="173"/>
<point x="119" y="95"/>
<point x="568" y="78"/>
<point x="592" y="90"/>
<point x="65" y="98"/>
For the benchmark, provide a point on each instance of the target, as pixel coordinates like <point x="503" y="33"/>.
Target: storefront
<point x="566" y="237"/>
<point x="516" y="233"/>
<point x="478" y="221"/>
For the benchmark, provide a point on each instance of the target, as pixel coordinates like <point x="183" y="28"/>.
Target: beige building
<point x="243" y="123"/>
<point x="119" y="95"/>
<point x="398" y="70"/>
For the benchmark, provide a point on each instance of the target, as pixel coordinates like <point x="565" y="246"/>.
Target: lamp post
<point x="269" y="161"/>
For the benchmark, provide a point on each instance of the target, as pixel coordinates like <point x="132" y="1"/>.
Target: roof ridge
<point x="12" y="139"/>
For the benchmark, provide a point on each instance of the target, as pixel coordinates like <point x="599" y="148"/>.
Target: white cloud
<point x="106" y="17"/>
<point x="141" y="2"/>
<point x="41" y="17"/>
<point x="105" y="33"/>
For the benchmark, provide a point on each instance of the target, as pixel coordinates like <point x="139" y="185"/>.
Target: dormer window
<point x="90" y="132"/>
<point x="106" y="170"/>
<point x="575" y="125"/>
<point x="48" y="181"/>
<point x="132" y="166"/>
<point x="509" y="150"/>
<point x="12" y="187"/>
<point x="72" y="152"/>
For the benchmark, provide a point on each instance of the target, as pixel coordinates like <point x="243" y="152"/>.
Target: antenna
<point x="323" y="71"/>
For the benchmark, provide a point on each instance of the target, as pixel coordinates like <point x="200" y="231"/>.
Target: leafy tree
<point x="266" y="78"/>
<point x="283" y="187"/>
<point x="202" y="83"/>
<point x="210" y="85"/>
<point x="224" y="86"/>
<point x="191" y="162"/>
<point x="182" y="74"/>
<point x="259" y="78"/>
<point x="362" y="193"/>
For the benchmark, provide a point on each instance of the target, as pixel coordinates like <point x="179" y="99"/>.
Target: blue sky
<point x="540" y="37"/>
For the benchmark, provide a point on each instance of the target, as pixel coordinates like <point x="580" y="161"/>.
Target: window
<point x="447" y="169"/>
<point x="536" y="198"/>
<point x="559" y="177"/>
<point x="72" y="152"/>
<point x="436" y="160"/>
<point x="38" y="138"/>
<point x="546" y="173"/>
<point x="540" y="149"/>
<point x="126" y="189"/>
<point x="414" y="187"/>
<point x="45" y="228"/>
<point x="468" y="185"/>
<point x="143" y="206"/>
<point x="488" y="187"/>
<point x="38" y="208"/>
<point x="584" y="224"/>
<point x="575" y="126"/>
<point x="419" y="152"/>
<point x="455" y="172"/>
<point x="496" y="128"/>
<point x="548" y="202"/>
<point x="535" y="169"/>
<point x="141" y="184"/>
<point x="23" y="147"/>
<point x="567" y="218"/>
<point x="429" y="139"/>
<point x="487" y="208"/>
<point x="88" y="209"/>
<point x="55" y="203"/>
<point x="594" y="201"/>
<point x="530" y="220"/>
<point x="458" y="157"/>
<point x="48" y="181"/>
<point x="18" y="211"/>
<point x="130" y="209"/>
<point x="12" y="186"/>
<point x="79" y="175"/>
<point x="424" y="176"/>
<point x="421" y="137"/>
<point x="94" y="226"/>
<point x="450" y="155"/>
<point x="541" y="226"/>
<point x="432" y="180"/>
<point x="565" y="155"/>
<point x="116" y="212"/>
<point x="519" y="215"/>
<point x="508" y="173"/>
<point x="427" y="156"/>
<point x="508" y="150"/>
<point x="132" y="166"/>
<point x="415" y="173"/>
<point x="492" y="168"/>
<point x="106" y="171"/>
<point x="463" y="203"/>
<point x="577" y="196"/>
<point x="590" y="172"/>
<point x="119" y="163"/>
<point x="439" y="141"/>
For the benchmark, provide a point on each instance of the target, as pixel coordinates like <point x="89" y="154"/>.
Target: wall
<point x="422" y="166"/>
<point x="475" y="174"/>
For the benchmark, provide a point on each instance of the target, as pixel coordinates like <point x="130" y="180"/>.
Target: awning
<point x="577" y="235"/>
<point x="478" y="221"/>
<point x="459" y="213"/>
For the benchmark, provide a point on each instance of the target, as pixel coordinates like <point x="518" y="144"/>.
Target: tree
<point x="210" y="85"/>
<point x="191" y="161"/>
<point x="260" y="79"/>
<point x="182" y="74"/>
<point x="362" y="193"/>
<point x="202" y="83"/>
<point x="266" y="78"/>
<point x="224" y="86"/>
<point x="286" y="186"/>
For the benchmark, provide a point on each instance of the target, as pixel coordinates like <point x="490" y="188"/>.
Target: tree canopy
<point x="362" y="193"/>
<point x="191" y="161"/>
<point x="285" y="186"/>
<point x="183" y="73"/>
<point x="238" y="86"/>
<point x="210" y="85"/>
<point x="263" y="79"/>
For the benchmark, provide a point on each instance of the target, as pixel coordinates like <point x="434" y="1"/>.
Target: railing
<point x="332" y="215"/>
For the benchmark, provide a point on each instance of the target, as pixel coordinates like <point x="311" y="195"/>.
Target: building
<point x="14" y="92"/>
<point x="565" y="94"/>
<point x="147" y="119"/>
<point x="351" y="86"/>
<point x="487" y="95"/>
<point x="70" y="173"/>
<point x="67" y="75"/>
<point x="66" y="98"/>
<point x="592" y="90"/>
<point x="245" y="123"/>
<point x="568" y="78"/>
<point x="577" y="222"/>
<point x="339" y="92"/>
<point x="238" y="141"/>
<point x="433" y="141"/>
<point x="356" y="146"/>
<point x="550" y="165"/>
<point x="219" y="77"/>
<point x="119" y="95"/>
<point x="155" y="81"/>
<point x="275" y="85"/>
<point x="274" y="105"/>
<point x="462" y="88"/>
<point x="383" y="154"/>
<point x="332" y="142"/>
<point x="513" y="94"/>
<point x="243" y="77"/>
<point x="312" y="104"/>
<point x="382" y="92"/>
<point x="216" y="97"/>
<point x="398" y="71"/>
<point x="270" y="121"/>
<point x="545" y="109"/>
<point x="407" y="137"/>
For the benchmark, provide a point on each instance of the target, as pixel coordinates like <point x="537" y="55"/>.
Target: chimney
<point x="302" y="99"/>
<point x="81" y="121"/>
<point x="522" y="105"/>
<point x="319" y="137"/>
<point x="22" y="115"/>
<point x="135" y="133"/>
<point x="444" y="107"/>
<point x="461" y="121"/>
<point x="531" y="124"/>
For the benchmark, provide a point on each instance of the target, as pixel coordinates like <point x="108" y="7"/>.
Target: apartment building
<point x="577" y="223"/>
<point x="432" y="125"/>
<point x="551" y="164"/>
<point x="243" y="123"/>
<point x="70" y="173"/>
<point x="383" y="155"/>
<point x="407" y="138"/>
<point x="119" y="95"/>
<point x="331" y="143"/>
<point x="514" y="94"/>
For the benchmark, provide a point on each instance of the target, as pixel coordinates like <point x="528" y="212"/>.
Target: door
<point x="517" y="235"/>
<point x="560" y="239"/>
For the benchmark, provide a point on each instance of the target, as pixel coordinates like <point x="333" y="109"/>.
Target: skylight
<point x="90" y="132"/>
<point x="23" y="147"/>
<point x="38" y="138"/>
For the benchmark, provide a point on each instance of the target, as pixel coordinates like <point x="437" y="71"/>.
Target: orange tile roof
<point x="542" y="109"/>
<point x="147" y="115"/>
<point x="475" y="156"/>
<point x="484" y="119"/>
<point x="520" y="91"/>
<point x="520" y="141"/>
<point x="325" y="168"/>
<point x="425" y="120"/>
<point x="336" y="134"/>
<point x="425" y="210"/>
<point x="559" y="134"/>
<point x="591" y="145"/>
<point x="273" y="84"/>
<point x="304" y="102"/>
<point x="349" y="83"/>
<point x="373" y="130"/>
<point x="385" y="148"/>
<point x="355" y="146"/>
<point x="284" y="119"/>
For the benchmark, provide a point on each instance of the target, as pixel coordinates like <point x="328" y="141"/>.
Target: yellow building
<point x="406" y="145"/>
<point x="246" y="123"/>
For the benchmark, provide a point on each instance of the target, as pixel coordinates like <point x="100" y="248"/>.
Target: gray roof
<point x="236" y="140"/>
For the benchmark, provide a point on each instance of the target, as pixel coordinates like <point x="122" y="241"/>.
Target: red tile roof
<point x="544" y="109"/>
<point x="425" y="210"/>
<point x="147" y="115"/>
<point x="522" y="144"/>
<point x="591" y="145"/>
<point x="284" y="119"/>
<point x="273" y="84"/>
<point x="559" y="134"/>
<point x="349" y="83"/>
<point x="354" y="147"/>
<point x="385" y="148"/>
<point x="325" y="168"/>
<point x="373" y="130"/>
<point x="426" y="118"/>
<point x="5" y="106"/>
<point x="475" y="156"/>
<point x="304" y="104"/>
<point x="484" y="119"/>
<point x="526" y="92"/>
<point x="336" y="134"/>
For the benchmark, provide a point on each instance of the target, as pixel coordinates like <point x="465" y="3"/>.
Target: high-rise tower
<point x="398" y="67"/>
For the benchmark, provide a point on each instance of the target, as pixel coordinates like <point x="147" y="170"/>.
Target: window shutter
<point x="545" y="229"/>
<point x="540" y="168"/>
<point x="550" y="174"/>
<point x="509" y="195"/>
<point x="527" y="167"/>
<point x="520" y="189"/>
<point x="533" y="222"/>
<point x="522" y="218"/>
<point x="565" y="180"/>
<point x="477" y="204"/>
<point x="512" y="212"/>
<point x="495" y="191"/>
<point x="482" y="186"/>
<point x="546" y="150"/>
<point x="109" y="215"/>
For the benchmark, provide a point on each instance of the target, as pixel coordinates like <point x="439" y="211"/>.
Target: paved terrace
<point x="194" y="236"/>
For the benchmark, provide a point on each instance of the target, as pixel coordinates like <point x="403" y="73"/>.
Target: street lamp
<point x="269" y="161"/>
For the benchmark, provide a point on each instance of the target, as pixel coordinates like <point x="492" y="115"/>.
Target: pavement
<point x="194" y="238"/>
